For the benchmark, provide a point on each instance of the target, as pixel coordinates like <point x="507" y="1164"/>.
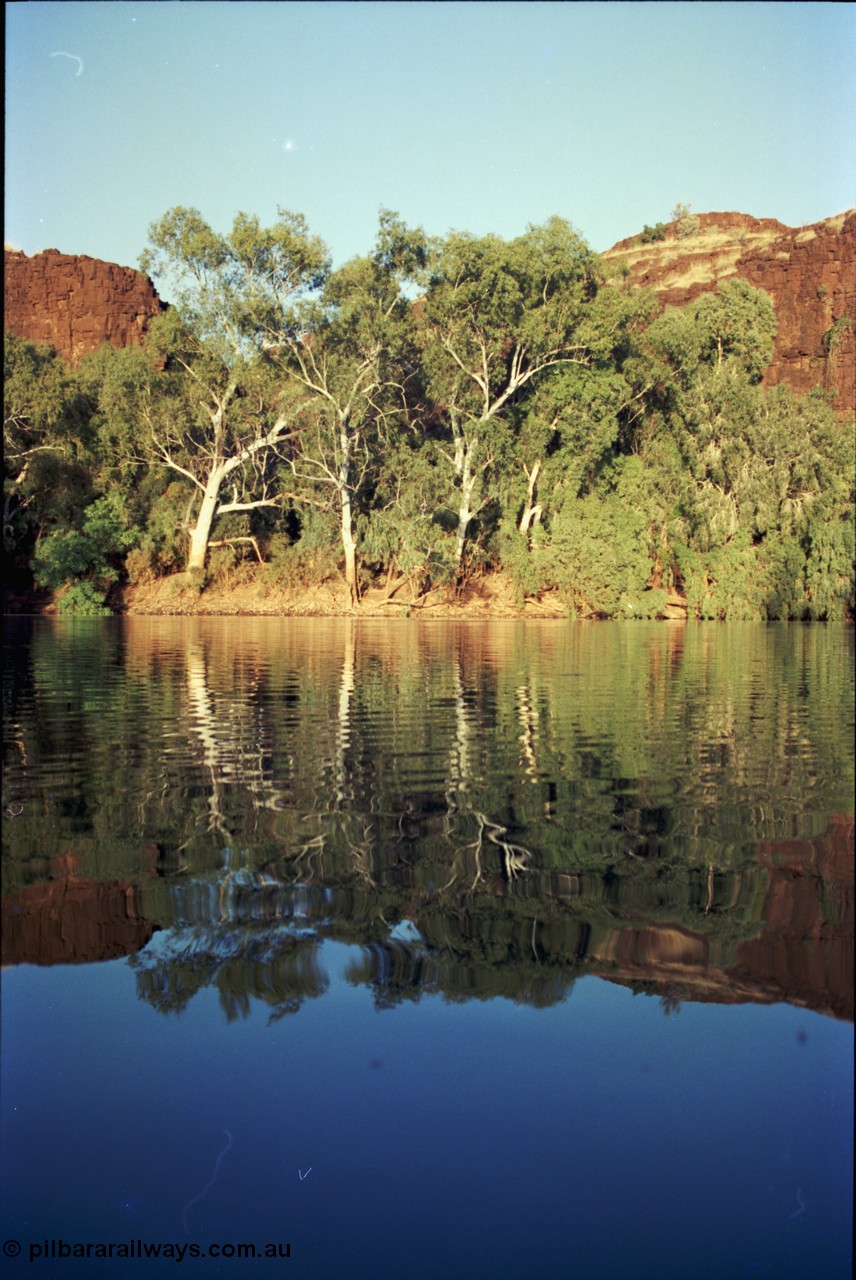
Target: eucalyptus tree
<point x="577" y="416"/>
<point x="497" y="318"/>
<point x="760" y="483"/>
<point x="770" y="506"/>
<point x="235" y="419"/>
<point x="351" y="361"/>
<point x="47" y="437"/>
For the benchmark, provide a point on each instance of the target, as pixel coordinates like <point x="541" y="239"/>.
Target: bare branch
<point x="225" y="542"/>
<point x="248" y="506"/>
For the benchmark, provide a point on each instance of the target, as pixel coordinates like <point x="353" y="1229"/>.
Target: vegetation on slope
<point x="529" y="413"/>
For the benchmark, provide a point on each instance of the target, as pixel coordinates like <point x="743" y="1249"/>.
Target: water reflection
<point x="489" y="809"/>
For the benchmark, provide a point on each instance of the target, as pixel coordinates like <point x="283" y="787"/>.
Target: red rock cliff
<point x="75" y="304"/>
<point x="809" y="273"/>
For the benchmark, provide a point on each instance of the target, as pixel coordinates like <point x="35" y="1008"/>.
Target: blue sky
<point x="482" y="117"/>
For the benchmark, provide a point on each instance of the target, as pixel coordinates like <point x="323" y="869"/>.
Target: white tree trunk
<point x="349" y="545"/>
<point x="201" y="531"/>
<point x="465" y="507"/>
<point x="532" y="510"/>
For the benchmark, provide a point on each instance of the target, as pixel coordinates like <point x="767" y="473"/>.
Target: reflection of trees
<point x="249" y="936"/>
<point x="398" y="972"/>
<point x="525" y="798"/>
<point x="690" y="753"/>
<point x="345" y="827"/>
<point x="202" y="720"/>
<point x="513" y="857"/>
<point x="279" y="973"/>
<point x="469" y="858"/>
<point x="672" y="998"/>
<point x="344" y="714"/>
<point x="527" y="715"/>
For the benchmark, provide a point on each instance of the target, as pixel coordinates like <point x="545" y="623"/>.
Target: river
<point x="427" y="948"/>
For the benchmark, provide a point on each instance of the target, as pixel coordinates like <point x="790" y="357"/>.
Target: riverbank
<point x="491" y="596"/>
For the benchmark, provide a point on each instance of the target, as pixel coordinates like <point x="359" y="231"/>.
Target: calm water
<point x="497" y="950"/>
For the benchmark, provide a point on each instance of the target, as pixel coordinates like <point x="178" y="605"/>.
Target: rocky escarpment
<point x="75" y="304"/>
<point x="809" y="273"/>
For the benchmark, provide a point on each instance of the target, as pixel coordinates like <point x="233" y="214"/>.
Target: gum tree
<point x="759" y="483"/>
<point x="351" y="362"/>
<point x="499" y="316"/>
<point x="47" y="437"/>
<point x="234" y="420"/>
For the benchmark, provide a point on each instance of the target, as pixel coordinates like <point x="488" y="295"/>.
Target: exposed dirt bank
<point x="490" y="597"/>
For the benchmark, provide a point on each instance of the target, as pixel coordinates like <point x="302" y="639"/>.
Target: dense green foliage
<point x="649" y="234"/>
<point x="526" y="413"/>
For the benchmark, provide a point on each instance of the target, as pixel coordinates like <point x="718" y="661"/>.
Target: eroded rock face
<point x="75" y="304"/>
<point x="805" y="950"/>
<point x="809" y="273"/>
<point x="71" y="921"/>
<point x="802" y="953"/>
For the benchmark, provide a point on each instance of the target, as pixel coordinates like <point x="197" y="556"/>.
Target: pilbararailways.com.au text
<point x="58" y="1249"/>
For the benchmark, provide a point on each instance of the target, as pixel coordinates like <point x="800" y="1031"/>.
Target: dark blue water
<point x="590" y="1067"/>
<point x="598" y="1138"/>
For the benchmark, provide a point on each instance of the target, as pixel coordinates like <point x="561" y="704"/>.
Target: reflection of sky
<point x="484" y="117"/>
<point x="484" y="1131"/>
<point x="488" y="1131"/>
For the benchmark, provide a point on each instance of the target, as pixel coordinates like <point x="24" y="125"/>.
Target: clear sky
<point x="482" y="117"/>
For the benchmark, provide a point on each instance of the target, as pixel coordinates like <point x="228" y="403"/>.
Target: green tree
<point x="403" y="532"/>
<point x="235" y="419"/>
<point x="47" y="441"/>
<point x="571" y="424"/>
<point x="759" y="485"/>
<point x="129" y="388"/>
<point x="87" y="560"/>
<point x="498" y="316"/>
<point x="351" y="362"/>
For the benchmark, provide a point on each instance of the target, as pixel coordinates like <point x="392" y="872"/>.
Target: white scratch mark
<point x="61" y="54"/>
<point x="304" y="1175"/>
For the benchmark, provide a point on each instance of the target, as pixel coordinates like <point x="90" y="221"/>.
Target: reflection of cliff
<point x="807" y="943"/>
<point x="780" y="931"/>
<point x="531" y="941"/>
<point x="803" y="953"/>
<point x="72" y="921"/>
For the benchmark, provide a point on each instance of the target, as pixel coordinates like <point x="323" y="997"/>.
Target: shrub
<point x="312" y="558"/>
<point x="835" y="335"/>
<point x="688" y="227"/>
<point x="649" y="234"/>
<point x="139" y="566"/>
<point x="222" y="561"/>
<point x="87" y="556"/>
<point x="82" y="600"/>
<point x="197" y="580"/>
